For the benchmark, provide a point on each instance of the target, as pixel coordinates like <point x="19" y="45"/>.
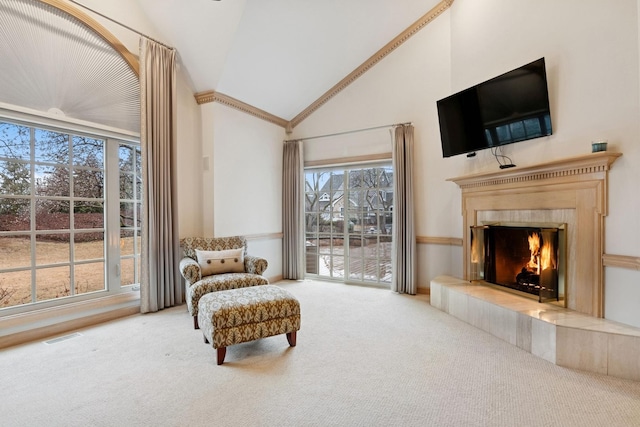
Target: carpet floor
<point x="364" y="357"/>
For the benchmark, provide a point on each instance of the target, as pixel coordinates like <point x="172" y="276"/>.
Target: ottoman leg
<point x="222" y="351"/>
<point x="206" y="341"/>
<point x="291" y="337"/>
<point x="195" y="322"/>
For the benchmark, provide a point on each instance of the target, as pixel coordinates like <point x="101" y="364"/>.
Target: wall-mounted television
<point x="509" y="108"/>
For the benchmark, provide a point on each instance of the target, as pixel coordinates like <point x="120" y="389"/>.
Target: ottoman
<point x="239" y="315"/>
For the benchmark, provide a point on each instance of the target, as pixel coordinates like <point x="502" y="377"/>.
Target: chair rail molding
<point x="621" y="261"/>
<point x="431" y="240"/>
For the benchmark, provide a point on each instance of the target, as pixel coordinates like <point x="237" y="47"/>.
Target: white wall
<point x="591" y="50"/>
<point x="244" y="182"/>
<point x="592" y="61"/>
<point x="592" y="53"/>
<point x="190" y="166"/>
<point x="403" y="87"/>
<point x="189" y="162"/>
<point x="240" y="190"/>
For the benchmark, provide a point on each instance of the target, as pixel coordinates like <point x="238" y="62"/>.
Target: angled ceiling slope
<point x="250" y="85"/>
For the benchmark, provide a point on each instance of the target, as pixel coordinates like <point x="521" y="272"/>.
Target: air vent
<point x="63" y="338"/>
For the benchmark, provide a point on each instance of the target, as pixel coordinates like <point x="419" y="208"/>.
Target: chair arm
<point x="190" y="270"/>
<point x="254" y="264"/>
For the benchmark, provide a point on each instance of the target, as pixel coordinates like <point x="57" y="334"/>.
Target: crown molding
<point x="129" y="57"/>
<point x="436" y="11"/>
<point x="212" y="96"/>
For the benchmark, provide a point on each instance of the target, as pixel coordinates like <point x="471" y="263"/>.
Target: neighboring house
<point x="364" y="204"/>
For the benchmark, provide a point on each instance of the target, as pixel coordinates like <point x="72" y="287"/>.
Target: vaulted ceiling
<point x="279" y="56"/>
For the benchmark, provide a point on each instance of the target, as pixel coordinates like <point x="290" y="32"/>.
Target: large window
<point x="55" y="222"/>
<point x="348" y="218"/>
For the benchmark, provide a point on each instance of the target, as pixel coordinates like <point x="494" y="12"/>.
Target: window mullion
<point x="32" y="213"/>
<point x="112" y="208"/>
<point x="72" y="272"/>
<point x="345" y="228"/>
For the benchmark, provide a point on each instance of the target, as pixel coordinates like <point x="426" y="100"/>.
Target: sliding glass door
<point x="348" y="218"/>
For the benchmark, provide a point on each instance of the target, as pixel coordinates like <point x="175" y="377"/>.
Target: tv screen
<point x="506" y="109"/>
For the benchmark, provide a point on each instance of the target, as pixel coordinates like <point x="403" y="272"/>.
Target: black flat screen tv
<point x="509" y="108"/>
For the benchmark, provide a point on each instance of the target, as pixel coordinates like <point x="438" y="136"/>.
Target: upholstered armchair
<point x="212" y="264"/>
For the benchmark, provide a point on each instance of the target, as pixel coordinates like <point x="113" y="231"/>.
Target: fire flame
<point x="534" y="247"/>
<point x="540" y="258"/>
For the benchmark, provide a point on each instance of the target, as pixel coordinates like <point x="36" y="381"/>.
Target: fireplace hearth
<point x="570" y="191"/>
<point x="527" y="258"/>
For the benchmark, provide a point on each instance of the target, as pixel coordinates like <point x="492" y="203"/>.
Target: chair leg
<point x="206" y="341"/>
<point x="195" y="322"/>
<point x="291" y="337"/>
<point x="222" y="351"/>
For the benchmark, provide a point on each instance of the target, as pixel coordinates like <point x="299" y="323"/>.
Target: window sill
<point x="38" y="324"/>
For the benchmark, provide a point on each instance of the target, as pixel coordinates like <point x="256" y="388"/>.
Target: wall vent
<point x="62" y="338"/>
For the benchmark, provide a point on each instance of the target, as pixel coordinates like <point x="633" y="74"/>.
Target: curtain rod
<point x="348" y="132"/>
<point x="121" y="24"/>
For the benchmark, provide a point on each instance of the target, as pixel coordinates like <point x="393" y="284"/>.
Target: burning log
<point x="528" y="278"/>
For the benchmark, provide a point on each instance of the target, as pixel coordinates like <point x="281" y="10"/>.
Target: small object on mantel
<point x="597" y="146"/>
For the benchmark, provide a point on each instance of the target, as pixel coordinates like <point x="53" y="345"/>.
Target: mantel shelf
<point x="590" y="163"/>
<point x="572" y="191"/>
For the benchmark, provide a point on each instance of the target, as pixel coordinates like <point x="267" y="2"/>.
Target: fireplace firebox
<point x="527" y="258"/>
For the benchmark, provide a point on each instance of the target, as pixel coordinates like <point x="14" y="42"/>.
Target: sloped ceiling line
<point x="212" y="96"/>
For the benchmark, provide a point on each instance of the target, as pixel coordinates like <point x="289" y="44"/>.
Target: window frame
<point x="345" y="234"/>
<point x="113" y="138"/>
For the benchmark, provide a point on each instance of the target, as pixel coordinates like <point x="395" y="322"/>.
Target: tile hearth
<point x="559" y="335"/>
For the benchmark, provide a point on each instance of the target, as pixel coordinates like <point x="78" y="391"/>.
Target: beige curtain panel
<point x="403" y="231"/>
<point x="293" y="211"/>
<point x="160" y="280"/>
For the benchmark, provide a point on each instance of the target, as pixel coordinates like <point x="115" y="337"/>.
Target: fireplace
<point x="568" y="194"/>
<point x="523" y="257"/>
<point x="571" y="191"/>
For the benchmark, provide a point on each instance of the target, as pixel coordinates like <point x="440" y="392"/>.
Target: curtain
<point x="160" y="280"/>
<point x="292" y="211"/>
<point x="403" y="231"/>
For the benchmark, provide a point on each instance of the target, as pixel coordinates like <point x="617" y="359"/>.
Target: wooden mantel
<point x="594" y="162"/>
<point x="571" y="191"/>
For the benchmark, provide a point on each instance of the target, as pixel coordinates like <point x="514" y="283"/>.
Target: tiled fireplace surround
<point x="571" y="191"/>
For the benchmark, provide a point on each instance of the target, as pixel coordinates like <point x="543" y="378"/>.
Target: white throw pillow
<point x="217" y="262"/>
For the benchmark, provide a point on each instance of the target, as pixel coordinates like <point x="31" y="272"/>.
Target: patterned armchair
<point x="201" y="253"/>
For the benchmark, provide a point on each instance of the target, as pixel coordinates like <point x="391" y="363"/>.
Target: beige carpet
<point x="365" y="357"/>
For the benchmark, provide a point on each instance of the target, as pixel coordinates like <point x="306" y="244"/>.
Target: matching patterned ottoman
<point x="239" y="315"/>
